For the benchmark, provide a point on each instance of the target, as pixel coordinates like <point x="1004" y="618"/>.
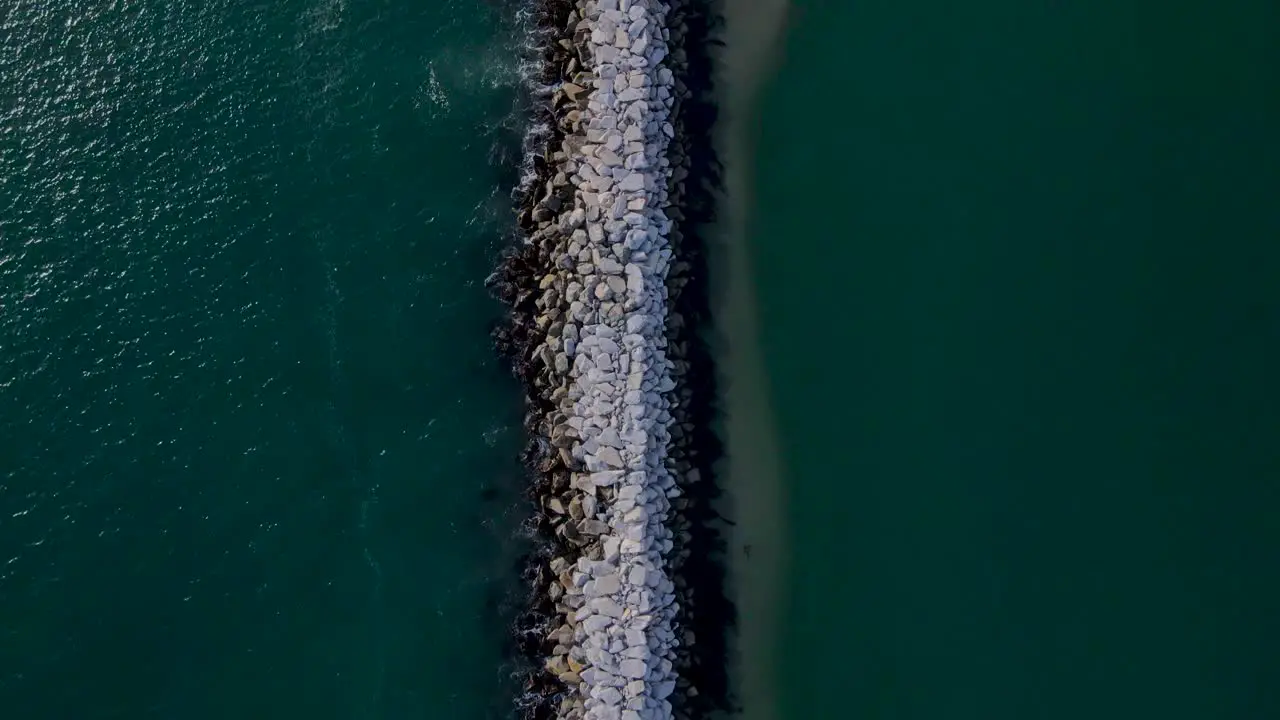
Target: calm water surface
<point x="1021" y="311"/>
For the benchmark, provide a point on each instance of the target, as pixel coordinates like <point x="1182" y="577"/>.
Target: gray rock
<point x="610" y="696"/>
<point x="638" y="652"/>
<point x="638" y="575"/>
<point x="637" y="239"/>
<point x="591" y="526"/>
<point x="608" y="607"/>
<point x="606" y="478"/>
<point x="635" y="637"/>
<point x="634" y="669"/>
<point x="633" y="182"/>
<point x="635" y="284"/>
<point x="596" y="623"/>
<point x="635" y="161"/>
<point x="609" y="158"/>
<point x="637" y="323"/>
<point x="610" y="457"/>
<point x="609" y="584"/>
<point x="606" y="54"/>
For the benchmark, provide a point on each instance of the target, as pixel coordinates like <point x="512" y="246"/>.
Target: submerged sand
<point x="755" y="496"/>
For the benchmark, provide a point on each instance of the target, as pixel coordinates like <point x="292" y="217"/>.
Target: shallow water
<point x="750" y="475"/>
<point x="257" y="457"/>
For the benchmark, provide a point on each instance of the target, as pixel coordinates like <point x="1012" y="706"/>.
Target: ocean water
<point x="1019" y="290"/>
<point x="257" y="457"/>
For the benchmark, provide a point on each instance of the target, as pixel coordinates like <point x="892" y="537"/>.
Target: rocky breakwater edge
<point x="591" y="283"/>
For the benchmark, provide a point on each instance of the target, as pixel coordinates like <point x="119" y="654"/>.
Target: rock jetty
<point x="604" y="290"/>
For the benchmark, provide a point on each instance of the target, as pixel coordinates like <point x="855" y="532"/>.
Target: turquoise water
<point x="1022" y="317"/>
<point x="256" y="454"/>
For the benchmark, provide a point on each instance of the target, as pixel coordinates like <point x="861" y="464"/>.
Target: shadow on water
<point x="752" y="470"/>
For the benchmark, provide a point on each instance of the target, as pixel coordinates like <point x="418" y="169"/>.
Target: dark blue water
<point x="256" y="454"/>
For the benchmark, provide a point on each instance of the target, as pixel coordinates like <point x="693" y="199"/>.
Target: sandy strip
<point x="755" y="495"/>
